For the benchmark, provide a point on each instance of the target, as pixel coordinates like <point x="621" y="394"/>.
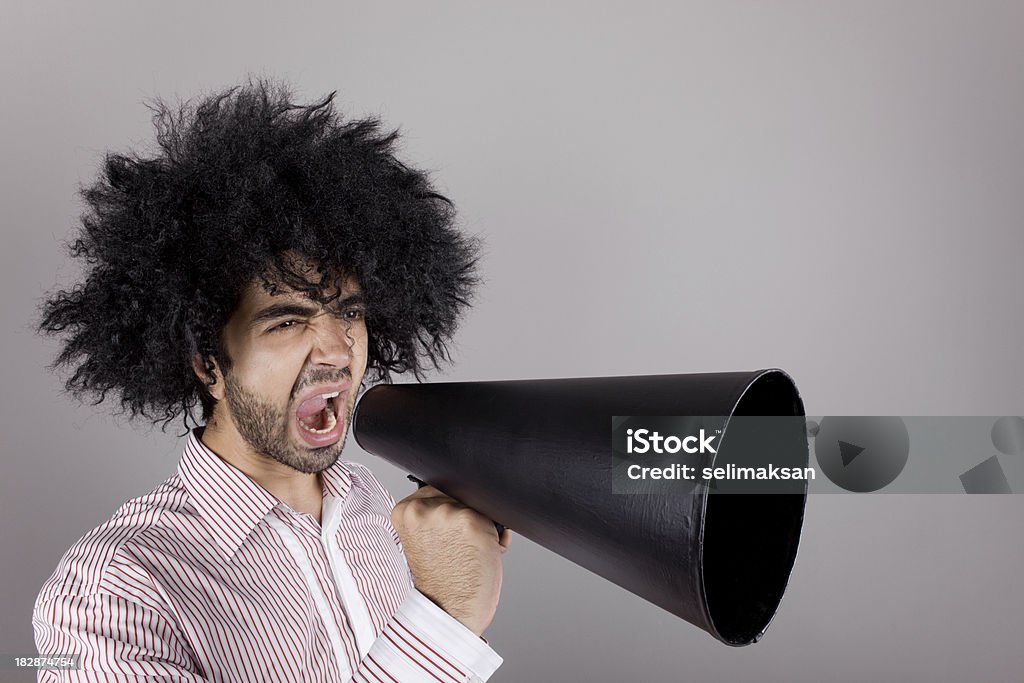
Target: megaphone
<point x="535" y="456"/>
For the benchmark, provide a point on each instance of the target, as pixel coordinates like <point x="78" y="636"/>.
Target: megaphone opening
<point x="750" y="540"/>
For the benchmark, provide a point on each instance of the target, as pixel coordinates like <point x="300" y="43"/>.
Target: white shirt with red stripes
<point x="210" y="577"/>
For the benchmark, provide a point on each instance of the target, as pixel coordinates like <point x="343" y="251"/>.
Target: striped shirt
<point x="210" y="577"/>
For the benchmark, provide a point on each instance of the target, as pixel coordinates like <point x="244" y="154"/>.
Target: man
<point x="263" y="265"/>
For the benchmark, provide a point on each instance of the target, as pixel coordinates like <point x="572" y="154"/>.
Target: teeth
<point x="327" y="396"/>
<point x="331" y="422"/>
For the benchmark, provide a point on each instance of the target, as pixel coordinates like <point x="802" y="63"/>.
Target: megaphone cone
<point x="535" y="456"/>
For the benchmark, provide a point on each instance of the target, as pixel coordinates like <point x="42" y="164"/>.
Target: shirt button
<point x="473" y="678"/>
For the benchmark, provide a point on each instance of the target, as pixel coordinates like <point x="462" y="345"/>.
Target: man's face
<point x="295" y="370"/>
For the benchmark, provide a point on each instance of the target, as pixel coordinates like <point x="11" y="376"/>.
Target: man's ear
<point x="209" y="374"/>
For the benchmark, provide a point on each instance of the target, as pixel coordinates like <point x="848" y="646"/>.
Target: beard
<point x="264" y="427"/>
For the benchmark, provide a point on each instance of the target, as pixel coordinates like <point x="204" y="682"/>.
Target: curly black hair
<point x="238" y="181"/>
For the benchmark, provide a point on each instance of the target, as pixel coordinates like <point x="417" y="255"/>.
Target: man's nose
<point x="332" y="343"/>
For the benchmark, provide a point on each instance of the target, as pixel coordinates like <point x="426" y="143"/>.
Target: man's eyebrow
<point x="350" y="300"/>
<point x="300" y="310"/>
<point x="281" y="310"/>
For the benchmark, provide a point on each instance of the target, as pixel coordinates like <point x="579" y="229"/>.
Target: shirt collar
<point x="229" y="500"/>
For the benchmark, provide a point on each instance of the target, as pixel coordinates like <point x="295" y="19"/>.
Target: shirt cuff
<point x="434" y="623"/>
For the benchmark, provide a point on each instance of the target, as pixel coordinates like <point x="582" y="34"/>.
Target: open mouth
<point x="319" y="415"/>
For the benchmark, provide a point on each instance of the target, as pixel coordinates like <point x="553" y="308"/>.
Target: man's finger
<point x="505" y="539"/>
<point x="428" y="491"/>
<point x="432" y="497"/>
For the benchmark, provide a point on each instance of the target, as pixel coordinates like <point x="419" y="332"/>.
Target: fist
<point x="454" y="554"/>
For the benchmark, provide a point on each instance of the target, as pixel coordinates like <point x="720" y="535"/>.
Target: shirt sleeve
<point x="115" y="638"/>
<point x="423" y="643"/>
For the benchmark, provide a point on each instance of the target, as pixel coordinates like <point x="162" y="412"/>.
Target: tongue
<point x="315" y="421"/>
<point x="311" y="406"/>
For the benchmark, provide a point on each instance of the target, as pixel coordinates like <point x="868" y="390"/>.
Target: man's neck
<point x="301" y="491"/>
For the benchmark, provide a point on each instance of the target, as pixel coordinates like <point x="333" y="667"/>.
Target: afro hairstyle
<point x="239" y="180"/>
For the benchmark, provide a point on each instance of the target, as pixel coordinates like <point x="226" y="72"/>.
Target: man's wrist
<point x="463" y="619"/>
<point x="471" y="649"/>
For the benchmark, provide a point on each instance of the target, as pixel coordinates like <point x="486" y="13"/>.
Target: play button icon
<point x="847" y="451"/>
<point x="862" y="454"/>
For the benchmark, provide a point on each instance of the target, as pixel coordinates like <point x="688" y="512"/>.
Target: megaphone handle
<point x="420" y="484"/>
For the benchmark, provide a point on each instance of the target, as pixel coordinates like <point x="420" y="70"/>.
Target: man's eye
<point x="284" y="325"/>
<point x="354" y="314"/>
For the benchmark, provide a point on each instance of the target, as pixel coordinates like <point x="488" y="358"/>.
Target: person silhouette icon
<point x="988" y="476"/>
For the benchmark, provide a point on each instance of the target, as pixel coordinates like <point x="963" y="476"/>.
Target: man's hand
<point x="454" y="554"/>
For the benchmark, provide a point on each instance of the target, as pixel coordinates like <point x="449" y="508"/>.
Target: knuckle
<point x="464" y="516"/>
<point x="400" y="513"/>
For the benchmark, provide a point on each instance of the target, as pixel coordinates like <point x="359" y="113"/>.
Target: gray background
<point x="834" y="188"/>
